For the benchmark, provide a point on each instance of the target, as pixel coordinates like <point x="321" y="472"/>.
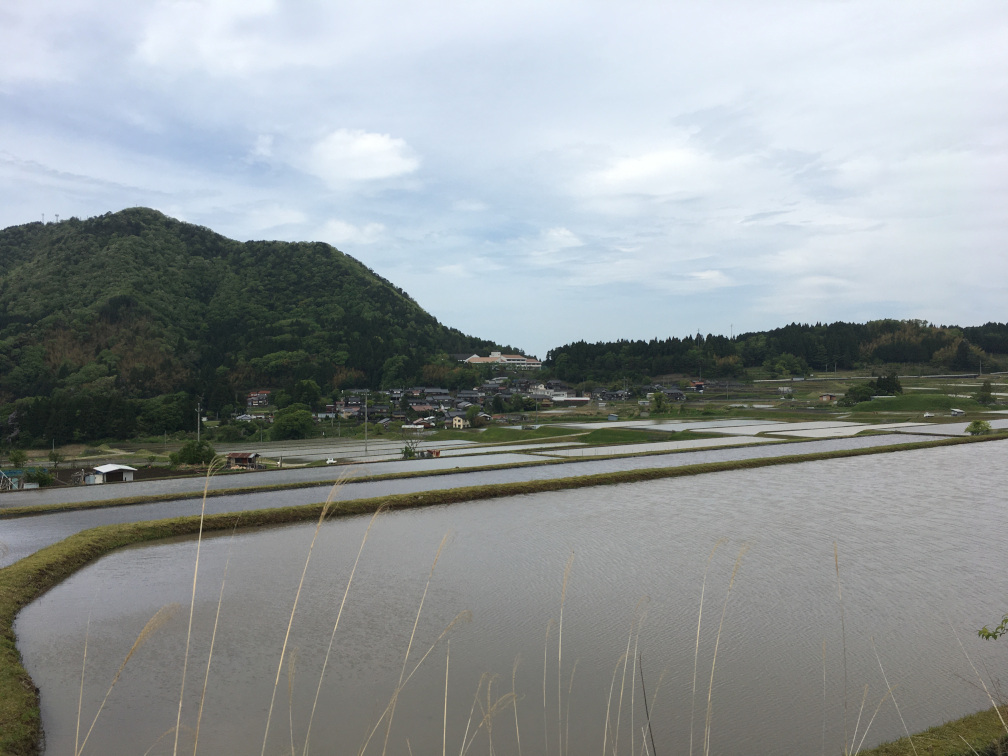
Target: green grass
<point x="919" y="402"/>
<point x="495" y="434"/>
<point x="609" y="436"/>
<point x="980" y="731"/>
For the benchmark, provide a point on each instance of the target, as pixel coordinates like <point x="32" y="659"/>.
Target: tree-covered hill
<point x="796" y="349"/>
<point x="140" y="305"/>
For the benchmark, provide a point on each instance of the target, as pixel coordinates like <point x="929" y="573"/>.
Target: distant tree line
<point x="794" y="350"/>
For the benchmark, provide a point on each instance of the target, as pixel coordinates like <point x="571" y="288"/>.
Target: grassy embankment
<point x="24" y="581"/>
<point x="920" y="402"/>
<point x="981" y="733"/>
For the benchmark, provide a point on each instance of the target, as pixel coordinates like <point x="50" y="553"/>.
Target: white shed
<point x="110" y="474"/>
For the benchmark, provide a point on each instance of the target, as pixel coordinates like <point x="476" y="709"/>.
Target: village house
<point x="259" y="398"/>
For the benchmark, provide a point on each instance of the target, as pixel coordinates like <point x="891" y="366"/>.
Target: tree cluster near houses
<point x="427" y="406"/>
<point x="885" y="385"/>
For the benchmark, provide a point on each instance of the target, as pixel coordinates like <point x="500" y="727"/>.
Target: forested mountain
<point x="119" y="325"/>
<point x="134" y="305"/>
<point x="797" y="349"/>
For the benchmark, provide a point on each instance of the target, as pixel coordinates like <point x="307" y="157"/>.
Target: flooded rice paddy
<point x="919" y="535"/>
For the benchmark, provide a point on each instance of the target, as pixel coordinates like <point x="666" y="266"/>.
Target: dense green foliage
<point x="797" y="349"/>
<point x="884" y="385"/>
<point x="978" y="428"/>
<point x="118" y="325"/>
<point x="294" y="421"/>
<point x="985" y="394"/>
<point x="193" y="452"/>
<point x="859" y="392"/>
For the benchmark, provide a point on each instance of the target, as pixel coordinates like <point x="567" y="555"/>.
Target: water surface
<point x="918" y="536"/>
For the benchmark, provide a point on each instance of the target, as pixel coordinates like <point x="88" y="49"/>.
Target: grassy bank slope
<point x="981" y="733"/>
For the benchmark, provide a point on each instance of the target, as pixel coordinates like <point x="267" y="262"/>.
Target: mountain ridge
<point x="159" y="305"/>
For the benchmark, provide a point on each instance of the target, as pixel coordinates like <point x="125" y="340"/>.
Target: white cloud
<point x="550" y="249"/>
<point x="455" y="270"/>
<point x="263" y="147"/>
<point x="346" y="156"/>
<point x="273" y="216"/>
<point x="710" y="279"/>
<point x="772" y="159"/>
<point x="678" y="172"/>
<point x="340" y="233"/>
<point x="224" y="37"/>
<point x="469" y="206"/>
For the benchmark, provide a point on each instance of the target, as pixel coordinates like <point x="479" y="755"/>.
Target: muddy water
<point x="918" y="534"/>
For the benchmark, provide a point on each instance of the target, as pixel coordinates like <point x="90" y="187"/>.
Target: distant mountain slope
<point x="796" y="349"/>
<point x="149" y="305"/>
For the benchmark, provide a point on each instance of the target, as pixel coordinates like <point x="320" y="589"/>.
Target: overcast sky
<point x="543" y="172"/>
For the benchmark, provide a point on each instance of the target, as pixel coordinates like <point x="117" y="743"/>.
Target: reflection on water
<point x="27" y="535"/>
<point x="916" y="534"/>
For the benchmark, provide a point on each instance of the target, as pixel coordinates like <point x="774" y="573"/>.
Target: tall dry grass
<point x="487" y="704"/>
<point x="620" y="730"/>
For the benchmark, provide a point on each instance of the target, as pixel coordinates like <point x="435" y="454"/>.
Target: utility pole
<point x="199" y="417"/>
<point x="365" y="422"/>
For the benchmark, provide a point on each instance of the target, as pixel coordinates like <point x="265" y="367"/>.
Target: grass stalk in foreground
<point x="563" y="598"/>
<point x="192" y="606"/>
<point x="409" y="646"/>
<point x="886" y="679"/>
<point x="332" y="637"/>
<point x="843" y="641"/>
<point x="696" y="651"/>
<point x="444" y="723"/>
<point x="514" y="675"/>
<point x="647" y="711"/>
<point x="717" y="642"/>
<point x="160" y="617"/>
<point x="570" y="688"/>
<point x="864" y="734"/>
<point x="549" y="627"/>
<point x="980" y="678"/>
<point x="80" y="695"/>
<point x="290" y="622"/>
<point x="213" y="640"/>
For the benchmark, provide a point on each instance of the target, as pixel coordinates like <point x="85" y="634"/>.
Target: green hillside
<point x="794" y="350"/>
<point x="134" y="305"/>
